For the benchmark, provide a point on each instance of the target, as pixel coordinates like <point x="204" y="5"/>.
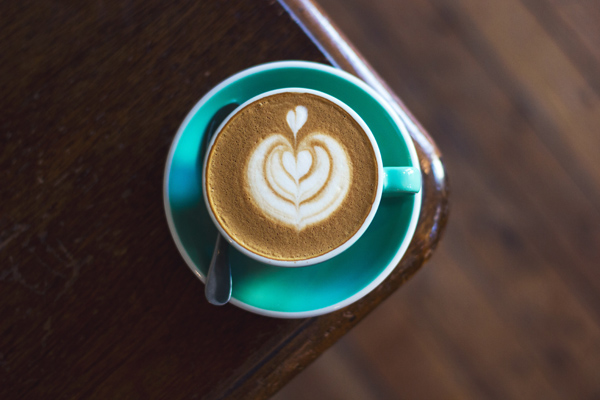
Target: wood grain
<point x="95" y="300"/>
<point x="508" y="306"/>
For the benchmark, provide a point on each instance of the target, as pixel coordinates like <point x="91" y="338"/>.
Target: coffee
<point x="291" y="176"/>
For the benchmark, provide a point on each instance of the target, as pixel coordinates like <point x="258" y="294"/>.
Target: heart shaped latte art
<point x="299" y="184"/>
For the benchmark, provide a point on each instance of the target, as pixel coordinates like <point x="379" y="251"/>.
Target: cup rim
<point x="350" y="241"/>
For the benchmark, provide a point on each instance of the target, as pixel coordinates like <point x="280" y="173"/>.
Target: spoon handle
<point x="218" y="280"/>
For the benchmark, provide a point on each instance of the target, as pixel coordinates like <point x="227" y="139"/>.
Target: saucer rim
<point x="417" y="202"/>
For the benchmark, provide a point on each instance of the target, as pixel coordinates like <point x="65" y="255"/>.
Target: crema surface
<point x="291" y="176"/>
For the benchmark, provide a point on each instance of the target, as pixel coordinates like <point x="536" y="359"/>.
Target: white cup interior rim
<point x="344" y="246"/>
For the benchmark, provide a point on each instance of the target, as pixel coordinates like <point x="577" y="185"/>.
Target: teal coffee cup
<point x="294" y="187"/>
<point x="329" y="281"/>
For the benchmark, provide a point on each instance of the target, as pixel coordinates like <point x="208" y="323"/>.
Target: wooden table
<point x="95" y="300"/>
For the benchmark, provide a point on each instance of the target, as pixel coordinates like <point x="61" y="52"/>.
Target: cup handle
<point x="399" y="181"/>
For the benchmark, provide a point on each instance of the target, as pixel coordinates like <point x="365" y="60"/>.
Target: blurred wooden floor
<point x="509" y="305"/>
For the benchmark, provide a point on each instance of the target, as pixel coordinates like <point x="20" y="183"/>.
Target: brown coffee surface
<point x="237" y="204"/>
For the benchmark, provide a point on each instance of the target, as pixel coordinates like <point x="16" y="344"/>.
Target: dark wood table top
<point x="95" y="300"/>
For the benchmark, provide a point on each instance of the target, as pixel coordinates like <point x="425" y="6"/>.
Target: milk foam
<point x="299" y="184"/>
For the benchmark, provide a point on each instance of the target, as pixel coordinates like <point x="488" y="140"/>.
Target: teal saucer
<point x="304" y="291"/>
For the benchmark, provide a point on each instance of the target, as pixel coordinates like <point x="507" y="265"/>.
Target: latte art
<point x="299" y="185"/>
<point x="291" y="176"/>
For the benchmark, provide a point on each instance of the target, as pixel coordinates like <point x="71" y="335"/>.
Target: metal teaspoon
<point x="218" y="284"/>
